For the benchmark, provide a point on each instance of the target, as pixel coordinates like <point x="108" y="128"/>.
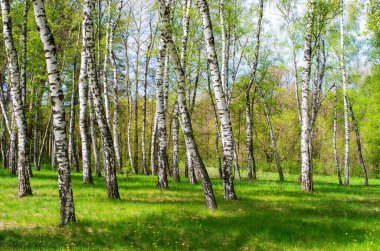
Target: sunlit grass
<point x="268" y="215"/>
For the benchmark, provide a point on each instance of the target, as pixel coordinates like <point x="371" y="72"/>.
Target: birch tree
<point x="306" y="175"/>
<point x="108" y="148"/>
<point x="24" y="188"/>
<point x="342" y="65"/>
<point x="224" y="114"/>
<point x="59" y="123"/>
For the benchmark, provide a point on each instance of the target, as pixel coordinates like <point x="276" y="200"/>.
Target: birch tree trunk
<point x="105" y="64"/>
<point x="36" y="130"/>
<point x="176" y="175"/>
<point x="73" y="159"/>
<point x="12" y="148"/>
<point x="224" y="114"/>
<point x="185" y="23"/>
<point x="59" y="123"/>
<point x="44" y="139"/>
<point x="358" y="142"/>
<point x="94" y="142"/>
<point x="160" y="106"/>
<point x="272" y="137"/>
<point x="185" y="117"/>
<point x="306" y="176"/>
<point x="108" y="148"/>
<point x="217" y="133"/>
<point x="334" y="139"/>
<point x="345" y="102"/>
<point x="83" y="126"/>
<point x="24" y="188"/>
<point x="251" y="165"/>
<point x="143" y="130"/>
<point x="129" y="101"/>
<point x="115" y="113"/>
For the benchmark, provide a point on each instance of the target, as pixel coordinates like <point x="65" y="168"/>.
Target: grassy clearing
<point x="268" y="216"/>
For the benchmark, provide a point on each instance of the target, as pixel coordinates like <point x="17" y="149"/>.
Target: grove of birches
<point x="207" y="92"/>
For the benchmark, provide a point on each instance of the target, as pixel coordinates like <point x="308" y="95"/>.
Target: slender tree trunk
<point x="175" y="128"/>
<point x="334" y="139"/>
<point x="136" y="108"/>
<point x="105" y="63"/>
<point x="345" y="102"/>
<point x="108" y="148"/>
<point x="59" y="123"/>
<point x="160" y="101"/>
<point x="306" y="177"/>
<point x="95" y="148"/>
<point x="73" y="159"/>
<point x="12" y="148"/>
<point x="224" y="114"/>
<point x="185" y="117"/>
<point x="115" y="114"/>
<point x="143" y="130"/>
<point x="83" y="126"/>
<point x="272" y="137"/>
<point x="358" y="144"/>
<point x="251" y="165"/>
<point x="153" y="147"/>
<point x="44" y="140"/>
<point x="36" y="130"/>
<point x="23" y="80"/>
<point x="24" y="188"/>
<point x="217" y="126"/>
<point x="53" y="152"/>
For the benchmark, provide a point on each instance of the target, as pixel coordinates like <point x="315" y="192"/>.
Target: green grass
<point x="268" y="216"/>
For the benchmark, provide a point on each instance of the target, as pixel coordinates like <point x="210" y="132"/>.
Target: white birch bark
<point x="345" y="101"/>
<point x="115" y="113"/>
<point x="73" y="159"/>
<point x="59" y="123"/>
<point x="334" y="139"/>
<point x="108" y="148"/>
<point x="224" y="114"/>
<point x="160" y="100"/>
<point x="184" y="113"/>
<point x="24" y="188"/>
<point x="306" y="176"/>
<point x="83" y="126"/>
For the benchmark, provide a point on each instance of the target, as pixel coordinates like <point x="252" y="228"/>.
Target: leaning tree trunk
<point x="44" y="139"/>
<point x="306" y="176"/>
<point x="334" y="139"/>
<point x="185" y="116"/>
<point x="224" y="114"/>
<point x="59" y="123"/>
<point x="345" y="102"/>
<point x="24" y="188"/>
<point x="83" y="126"/>
<point x="108" y="148"/>
<point x="359" y="145"/>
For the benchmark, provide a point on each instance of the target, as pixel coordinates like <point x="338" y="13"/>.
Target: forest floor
<point x="267" y="216"/>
